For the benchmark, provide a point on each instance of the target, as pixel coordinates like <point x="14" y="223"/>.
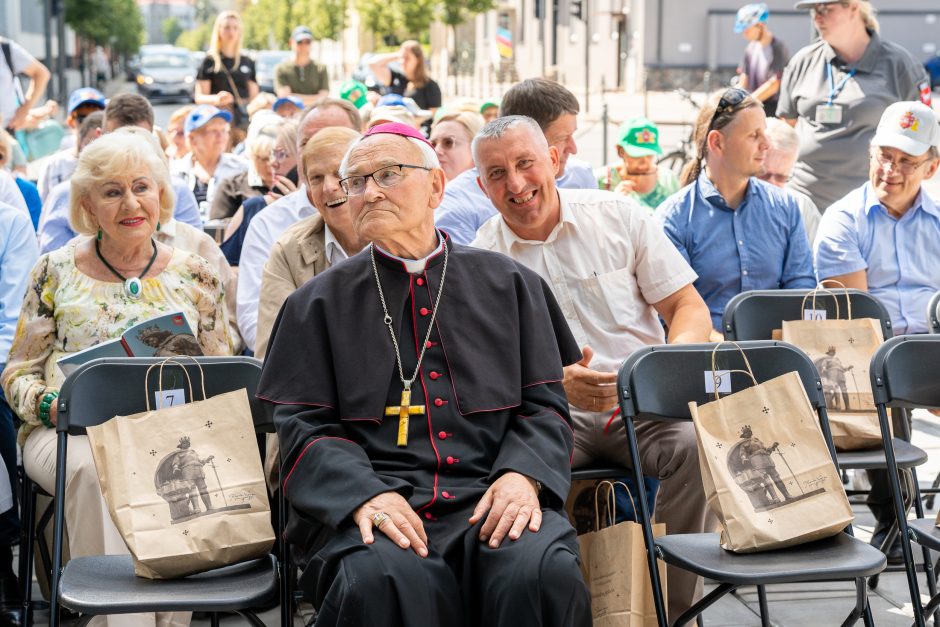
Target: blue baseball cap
<point x="751" y="15"/>
<point x="201" y="115"/>
<point x="83" y="96"/>
<point x="294" y="100"/>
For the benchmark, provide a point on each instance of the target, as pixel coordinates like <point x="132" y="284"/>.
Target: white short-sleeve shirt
<point x="21" y="60"/>
<point x="607" y="261"/>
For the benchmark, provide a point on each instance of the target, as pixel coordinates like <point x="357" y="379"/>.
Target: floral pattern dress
<point x="66" y="311"/>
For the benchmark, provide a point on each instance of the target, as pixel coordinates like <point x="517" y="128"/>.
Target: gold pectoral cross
<point x="403" y="412"/>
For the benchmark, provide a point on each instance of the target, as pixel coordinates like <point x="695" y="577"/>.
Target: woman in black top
<point x="226" y="79"/>
<point x="413" y="80"/>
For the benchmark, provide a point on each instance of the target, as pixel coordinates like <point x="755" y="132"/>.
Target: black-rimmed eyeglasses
<point x="389" y="176"/>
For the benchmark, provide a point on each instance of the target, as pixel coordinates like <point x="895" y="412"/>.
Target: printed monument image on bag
<point x="754" y="468"/>
<point x="180" y="479"/>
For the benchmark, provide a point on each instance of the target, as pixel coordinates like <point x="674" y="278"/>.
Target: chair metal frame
<point x="641" y="398"/>
<point x="743" y="321"/>
<point x="901" y="376"/>
<point x="81" y="405"/>
<point x="933" y="314"/>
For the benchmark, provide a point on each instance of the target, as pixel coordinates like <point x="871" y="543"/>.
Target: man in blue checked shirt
<point x="737" y="232"/>
<point x="18" y="253"/>
<point x="884" y="237"/>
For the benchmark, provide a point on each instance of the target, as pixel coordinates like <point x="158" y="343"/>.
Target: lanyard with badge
<point x="830" y="113"/>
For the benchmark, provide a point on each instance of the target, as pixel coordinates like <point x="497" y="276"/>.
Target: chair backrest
<point x="904" y="372"/>
<point x="933" y="314"/>
<point x="754" y="315"/>
<point x="103" y="388"/>
<point x="659" y="381"/>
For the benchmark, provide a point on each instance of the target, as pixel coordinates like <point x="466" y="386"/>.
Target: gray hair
<point x="782" y="136"/>
<point x="502" y="125"/>
<point x="428" y="156"/>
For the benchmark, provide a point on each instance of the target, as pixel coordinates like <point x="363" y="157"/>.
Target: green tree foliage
<point x="456" y="12"/>
<point x="116" y="23"/>
<point x="415" y="16"/>
<point x="172" y="29"/>
<point x="196" y="38"/>
<point x="328" y="18"/>
<point x="379" y="17"/>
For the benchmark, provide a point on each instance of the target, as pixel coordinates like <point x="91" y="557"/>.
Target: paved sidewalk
<point x="805" y="605"/>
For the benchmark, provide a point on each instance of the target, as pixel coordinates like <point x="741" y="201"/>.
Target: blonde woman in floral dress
<point x="92" y="291"/>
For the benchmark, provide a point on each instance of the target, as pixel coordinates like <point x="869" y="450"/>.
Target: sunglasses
<point x="732" y="97"/>
<point x="823" y="10"/>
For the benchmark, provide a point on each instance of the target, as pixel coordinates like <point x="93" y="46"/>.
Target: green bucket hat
<point x="639" y="137"/>
<point x="349" y="88"/>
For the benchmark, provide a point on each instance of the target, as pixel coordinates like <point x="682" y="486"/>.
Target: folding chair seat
<point x="657" y="383"/>
<point x="106" y="584"/>
<point x="754" y="315"/>
<point x="904" y="374"/>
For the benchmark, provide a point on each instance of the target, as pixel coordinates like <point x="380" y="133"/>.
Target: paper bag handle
<point x="821" y="288"/>
<point x="173" y="360"/>
<point x="749" y="372"/>
<point x="611" y="501"/>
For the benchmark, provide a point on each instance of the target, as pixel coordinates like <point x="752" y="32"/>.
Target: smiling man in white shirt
<point x="614" y="273"/>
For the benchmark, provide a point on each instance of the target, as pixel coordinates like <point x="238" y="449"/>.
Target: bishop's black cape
<point x="490" y="381"/>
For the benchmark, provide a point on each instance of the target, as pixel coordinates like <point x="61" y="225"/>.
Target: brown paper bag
<point x="766" y="468"/>
<point x="842" y="351"/>
<point x="184" y="484"/>
<point x="614" y="566"/>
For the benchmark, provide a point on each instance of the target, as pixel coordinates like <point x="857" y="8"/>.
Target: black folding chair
<point x="933" y="314"/>
<point x="754" y="315"/>
<point x="657" y="383"/>
<point x="904" y="374"/>
<point x="92" y="395"/>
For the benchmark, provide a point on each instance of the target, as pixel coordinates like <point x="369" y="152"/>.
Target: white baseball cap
<point x="910" y="127"/>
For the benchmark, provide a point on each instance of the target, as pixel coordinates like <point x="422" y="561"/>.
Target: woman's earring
<point x="99" y="233"/>
<point x="158" y="227"/>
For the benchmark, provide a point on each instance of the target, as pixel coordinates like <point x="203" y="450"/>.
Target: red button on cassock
<point x="424" y="311"/>
<point x="438" y="402"/>
<point x="452" y="460"/>
<point x="435" y="375"/>
<point x="442" y="435"/>
<point x="429" y="343"/>
<point x="420" y="281"/>
<point x="445" y="494"/>
<point x="429" y="515"/>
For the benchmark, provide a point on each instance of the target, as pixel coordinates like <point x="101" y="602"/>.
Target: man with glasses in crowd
<point x="300" y="75"/>
<point x="417" y="394"/>
<point x="884" y="238"/>
<point x="778" y="170"/>
<point x="737" y="232"/>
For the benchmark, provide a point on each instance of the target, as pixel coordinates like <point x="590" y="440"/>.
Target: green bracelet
<point x="44" y="406"/>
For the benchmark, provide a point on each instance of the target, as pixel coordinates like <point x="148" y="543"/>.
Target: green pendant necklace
<point x="132" y="286"/>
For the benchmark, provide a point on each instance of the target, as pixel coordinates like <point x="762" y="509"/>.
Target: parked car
<point x="265" y="62"/>
<point x="166" y="72"/>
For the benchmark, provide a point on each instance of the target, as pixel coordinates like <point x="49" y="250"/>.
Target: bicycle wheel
<point x="674" y="161"/>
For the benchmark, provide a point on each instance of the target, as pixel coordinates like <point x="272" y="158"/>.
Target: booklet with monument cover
<point x="162" y="336"/>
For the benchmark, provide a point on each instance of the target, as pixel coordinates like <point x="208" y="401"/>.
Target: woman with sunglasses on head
<point x="835" y="90"/>
<point x="737" y="232"/>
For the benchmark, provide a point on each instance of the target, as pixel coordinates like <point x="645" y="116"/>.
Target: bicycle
<point x="685" y="152"/>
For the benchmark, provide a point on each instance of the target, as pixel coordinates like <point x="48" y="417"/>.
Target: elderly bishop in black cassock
<point x="426" y="441"/>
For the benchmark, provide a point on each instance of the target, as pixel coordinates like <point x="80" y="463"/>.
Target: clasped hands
<point x="511" y="505"/>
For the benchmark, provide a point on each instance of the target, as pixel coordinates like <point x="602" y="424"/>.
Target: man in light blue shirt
<point x="884" y="237"/>
<point x="18" y="255"/>
<point x="737" y="232"/>
<point x="465" y="207"/>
